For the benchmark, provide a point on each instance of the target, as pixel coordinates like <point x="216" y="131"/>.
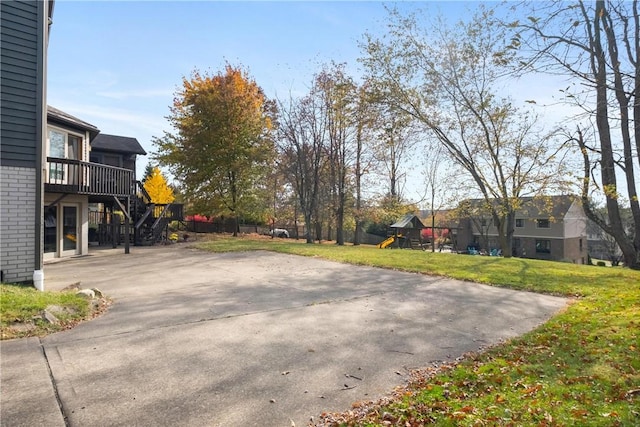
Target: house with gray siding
<point x="549" y="228"/>
<point x="23" y="52"/>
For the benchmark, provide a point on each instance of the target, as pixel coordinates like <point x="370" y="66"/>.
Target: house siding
<point x="566" y="236"/>
<point x="22" y="82"/>
<point x="575" y="250"/>
<point x="22" y="117"/>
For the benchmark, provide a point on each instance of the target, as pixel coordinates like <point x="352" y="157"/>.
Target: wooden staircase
<point x="151" y="220"/>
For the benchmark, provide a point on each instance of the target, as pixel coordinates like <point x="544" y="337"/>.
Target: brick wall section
<point x="17" y="223"/>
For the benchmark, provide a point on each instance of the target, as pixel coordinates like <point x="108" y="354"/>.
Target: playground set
<point x="410" y="233"/>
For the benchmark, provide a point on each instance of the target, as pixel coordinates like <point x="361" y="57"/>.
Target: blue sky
<point x="117" y="64"/>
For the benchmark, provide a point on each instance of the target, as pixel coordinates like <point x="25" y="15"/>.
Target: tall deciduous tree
<point x="222" y="141"/>
<point x="447" y="78"/>
<point x="395" y="144"/>
<point x="365" y="121"/>
<point x="337" y="91"/>
<point x="435" y="185"/>
<point x="597" y="44"/>
<point x="156" y="186"/>
<point x="302" y="137"/>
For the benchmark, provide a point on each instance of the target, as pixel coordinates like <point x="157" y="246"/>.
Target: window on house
<point x="519" y="223"/>
<point x="74" y="143"/>
<point x="543" y="223"/>
<point x="64" y="145"/>
<point x="543" y="246"/>
<point x="516" y="243"/>
<point x="483" y="222"/>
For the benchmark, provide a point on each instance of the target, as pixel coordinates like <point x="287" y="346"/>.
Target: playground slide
<point x="388" y="242"/>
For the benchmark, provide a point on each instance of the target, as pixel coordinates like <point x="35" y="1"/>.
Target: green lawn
<point x="580" y="368"/>
<point x="21" y="308"/>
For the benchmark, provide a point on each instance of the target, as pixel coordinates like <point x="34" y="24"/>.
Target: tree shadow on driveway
<point x="262" y="339"/>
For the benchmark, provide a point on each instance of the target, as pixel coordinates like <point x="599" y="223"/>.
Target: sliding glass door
<point x="69" y="230"/>
<point x="62" y="230"/>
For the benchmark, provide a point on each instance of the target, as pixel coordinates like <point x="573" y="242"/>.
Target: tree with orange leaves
<point x="222" y="143"/>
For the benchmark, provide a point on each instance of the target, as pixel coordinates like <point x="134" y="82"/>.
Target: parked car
<point x="279" y="232"/>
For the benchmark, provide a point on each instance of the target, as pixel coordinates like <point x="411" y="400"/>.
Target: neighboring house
<point x="24" y="30"/>
<point x="550" y="228"/>
<point x="72" y="182"/>
<point x="602" y="246"/>
<point x="91" y="190"/>
<point x="118" y="151"/>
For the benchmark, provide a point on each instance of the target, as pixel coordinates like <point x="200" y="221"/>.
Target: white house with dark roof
<point x="74" y="179"/>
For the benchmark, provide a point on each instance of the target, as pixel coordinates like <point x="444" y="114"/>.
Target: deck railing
<point x="77" y="177"/>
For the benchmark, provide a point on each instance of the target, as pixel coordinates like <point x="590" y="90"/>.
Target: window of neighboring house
<point x="62" y="145"/>
<point x="57" y="149"/>
<point x="516" y="243"/>
<point x="543" y="246"/>
<point x="74" y="144"/>
<point x="543" y="223"/>
<point x="483" y="222"/>
<point x="519" y="223"/>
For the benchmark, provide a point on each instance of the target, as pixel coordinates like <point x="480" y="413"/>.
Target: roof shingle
<point x="118" y="144"/>
<point x="59" y="116"/>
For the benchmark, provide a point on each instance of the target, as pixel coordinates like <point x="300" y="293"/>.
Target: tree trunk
<point x="340" y="225"/>
<point x="607" y="164"/>
<point x="433" y="228"/>
<point x="356" y="236"/>
<point x="307" y="220"/>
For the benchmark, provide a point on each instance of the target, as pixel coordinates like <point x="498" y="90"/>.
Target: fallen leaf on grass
<point x="531" y="390"/>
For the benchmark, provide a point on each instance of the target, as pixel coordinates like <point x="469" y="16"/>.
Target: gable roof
<point x="60" y="117"/>
<point x="117" y="144"/>
<point x="536" y="207"/>
<point x="408" y="221"/>
<point x="546" y="206"/>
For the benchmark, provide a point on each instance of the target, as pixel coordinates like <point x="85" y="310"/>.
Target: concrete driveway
<point x="245" y="339"/>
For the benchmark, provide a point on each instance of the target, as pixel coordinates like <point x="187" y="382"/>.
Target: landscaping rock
<point x="87" y="293"/>
<point x="50" y="317"/>
<point x="98" y="292"/>
<point x="56" y="309"/>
